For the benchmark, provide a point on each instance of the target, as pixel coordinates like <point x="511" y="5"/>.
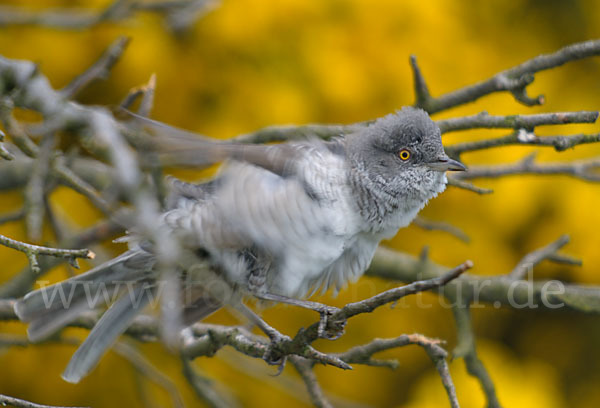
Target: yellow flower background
<point x="253" y="63"/>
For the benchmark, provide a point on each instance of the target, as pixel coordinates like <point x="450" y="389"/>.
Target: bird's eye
<point x="404" y="154"/>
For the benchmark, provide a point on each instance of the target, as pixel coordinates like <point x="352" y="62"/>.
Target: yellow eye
<point x="404" y="154"/>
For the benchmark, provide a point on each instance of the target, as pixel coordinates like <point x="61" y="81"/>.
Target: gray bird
<point x="278" y="222"/>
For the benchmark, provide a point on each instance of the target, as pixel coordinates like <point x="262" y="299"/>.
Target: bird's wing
<point x="179" y="147"/>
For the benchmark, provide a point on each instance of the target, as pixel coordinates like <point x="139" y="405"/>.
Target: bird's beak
<point x="445" y="163"/>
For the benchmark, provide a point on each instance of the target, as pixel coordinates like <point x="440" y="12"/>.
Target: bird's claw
<point x="273" y="354"/>
<point x="330" y="329"/>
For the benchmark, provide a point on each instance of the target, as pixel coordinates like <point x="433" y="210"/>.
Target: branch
<point x="19" y="403"/>
<point x="4" y="154"/>
<point x="465" y="349"/>
<point x="204" y="389"/>
<point x="99" y="70"/>
<point x="315" y="392"/>
<point x="487" y="121"/>
<point x="522" y="137"/>
<point x="533" y="258"/>
<point x="143" y="366"/>
<point x="118" y="10"/>
<point x="309" y="335"/>
<point x="32" y="251"/>
<point x="440" y="226"/>
<point x="582" y="169"/>
<point x="514" y="80"/>
<point x="494" y="290"/>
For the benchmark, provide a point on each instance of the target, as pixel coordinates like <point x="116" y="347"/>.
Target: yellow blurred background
<point x="253" y="63"/>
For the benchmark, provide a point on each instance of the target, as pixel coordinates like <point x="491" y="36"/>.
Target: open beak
<point x="445" y="164"/>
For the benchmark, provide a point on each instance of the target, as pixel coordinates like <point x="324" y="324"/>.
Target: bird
<point x="277" y="222"/>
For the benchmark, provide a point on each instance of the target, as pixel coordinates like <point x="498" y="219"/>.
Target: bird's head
<point x="402" y="150"/>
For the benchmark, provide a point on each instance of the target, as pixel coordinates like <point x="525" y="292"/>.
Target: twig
<point x="466" y="350"/>
<point x="582" y="169"/>
<point x="454" y="182"/>
<point x="5" y="400"/>
<point x="529" y="122"/>
<point x="421" y="90"/>
<point x="533" y="258"/>
<point x="560" y="143"/>
<point x="440" y="226"/>
<point x="143" y="366"/>
<point x="315" y="392"/>
<point x="204" y="389"/>
<point x="13" y="128"/>
<point x="392" y="295"/>
<point x="99" y="70"/>
<point x="14" y="216"/>
<point x="514" y="80"/>
<point x="118" y="10"/>
<point x="35" y="189"/>
<point x="494" y="290"/>
<point x="32" y="251"/>
<point x="309" y="335"/>
<point x="5" y="154"/>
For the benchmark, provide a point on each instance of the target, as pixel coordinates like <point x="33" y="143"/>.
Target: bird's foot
<point x="329" y="328"/>
<point x="273" y="354"/>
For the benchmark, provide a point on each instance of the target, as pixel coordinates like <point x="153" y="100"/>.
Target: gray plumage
<point x="285" y="219"/>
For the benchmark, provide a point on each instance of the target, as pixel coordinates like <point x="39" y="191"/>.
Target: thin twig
<point x="587" y="170"/>
<point x="143" y="366"/>
<point x="560" y="143"/>
<point x="5" y="400"/>
<point x="533" y="258"/>
<point x="204" y="388"/>
<point x="118" y="10"/>
<point x="32" y="251"/>
<point x="440" y="226"/>
<point x="529" y="122"/>
<point x="466" y="350"/>
<point x="514" y="80"/>
<point x="315" y="392"/>
<point x="14" y="216"/>
<point x="36" y="189"/>
<point x="5" y="154"/>
<point x="454" y="182"/>
<point x="99" y="70"/>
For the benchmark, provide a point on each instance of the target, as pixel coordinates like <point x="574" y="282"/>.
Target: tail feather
<point x="112" y="324"/>
<point x="49" y="323"/>
<point x="50" y="308"/>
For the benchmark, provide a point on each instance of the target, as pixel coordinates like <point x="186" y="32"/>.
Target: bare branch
<point x="522" y="137"/>
<point x="441" y="226"/>
<point x="533" y="258"/>
<point x="465" y="349"/>
<point x="19" y="403"/>
<point x="514" y="80"/>
<point x="32" y="251"/>
<point x="5" y="154"/>
<point x="118" y="10"/>
<point x="35" y="189"/>
<point x="582" y="169"/>
<point x="315" y="392"/>
<point x="143" y="366"/>
<point x="14" y="216"/>
<point x="204" y="389"/>
<point x="14" y="129"/>
<point x="99" y="70"/>
<point x="487" y="121"/>
<point x="455" y="182"/>
<point x="421" y="90"/>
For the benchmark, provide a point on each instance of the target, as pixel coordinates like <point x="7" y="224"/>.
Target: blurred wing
<point x="182" y="148"/>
